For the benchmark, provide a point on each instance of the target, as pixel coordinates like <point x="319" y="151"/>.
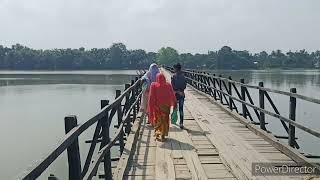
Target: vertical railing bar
<point x="105" y="140"/>
<point x="119" y="119"/>
<point x="220" y="88"/>
<point x="73" y="151"/>
<point x="230" y="93"/>
<point x="292" y="116"/>
<point x="214" y="85"/>
<point x="243" y="98"/>
<point x="261" y="104"/>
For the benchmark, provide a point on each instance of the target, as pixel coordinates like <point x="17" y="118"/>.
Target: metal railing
<point x="125" y="108"/>
<point x="227" y="91"/>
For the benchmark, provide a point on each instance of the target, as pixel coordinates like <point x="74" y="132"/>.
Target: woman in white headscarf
<point x="148" y="78"/>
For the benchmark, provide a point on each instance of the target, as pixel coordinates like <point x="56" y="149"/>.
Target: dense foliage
<point x="19" y="57"/>
<point x="117" y="56"/>
<point x="226" y="58"/>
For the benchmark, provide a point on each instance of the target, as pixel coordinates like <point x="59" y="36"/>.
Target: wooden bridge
<point x="221" y="140"/>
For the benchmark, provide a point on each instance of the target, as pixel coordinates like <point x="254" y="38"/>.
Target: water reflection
<point x="38" y="79"/>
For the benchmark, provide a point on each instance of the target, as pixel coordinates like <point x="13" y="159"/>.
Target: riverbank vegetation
<point x="19" y="57"/>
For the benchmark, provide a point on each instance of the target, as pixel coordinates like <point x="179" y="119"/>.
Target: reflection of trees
<point x="33" y="79"/>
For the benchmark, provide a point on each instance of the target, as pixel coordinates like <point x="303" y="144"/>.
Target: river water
<point x="32" y="110"/>
<point x="33" y="105"/>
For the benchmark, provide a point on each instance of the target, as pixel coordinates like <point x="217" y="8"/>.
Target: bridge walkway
<point x="213" y="145"/>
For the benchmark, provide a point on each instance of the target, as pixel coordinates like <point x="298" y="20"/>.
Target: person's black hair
<point x="177" y="66"/>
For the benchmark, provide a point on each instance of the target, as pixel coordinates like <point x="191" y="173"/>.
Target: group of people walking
<point x="159" y="96"/>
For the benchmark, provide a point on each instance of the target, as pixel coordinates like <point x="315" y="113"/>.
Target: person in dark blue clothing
<point x="179" y="84"/>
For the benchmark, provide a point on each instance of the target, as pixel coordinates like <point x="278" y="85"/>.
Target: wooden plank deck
<point x="213" y="145"/>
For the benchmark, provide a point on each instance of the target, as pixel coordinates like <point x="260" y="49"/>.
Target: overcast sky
<point x="187" y="25"/>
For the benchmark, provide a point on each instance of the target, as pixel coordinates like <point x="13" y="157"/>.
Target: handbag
<point x="174" y="116"/>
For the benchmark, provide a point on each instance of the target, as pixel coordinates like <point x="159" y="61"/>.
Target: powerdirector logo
<point x="284" y="169"/>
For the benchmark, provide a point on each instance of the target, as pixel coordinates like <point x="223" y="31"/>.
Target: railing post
<point x="209" y="89"/>
<point x="137" y="93"/>
<point x="230" y="93"/>
<point x="105" y="140"/>
<point x="214" y="85"/>
<point x="119" y="117"/>
<point x="198" y="80"/>
<point x="292" y="116"/>
<point x="261" y="103"/>
<point x="194" y="82"/>
<point x="127" y="102"/>
<point x="134" y="93"/>
<point x="204" y="83"/>
<point x="73" y="150"/>
<point x="220" y="88"/>
<point x="243" y="98"/>
<point x="132" y="99"/>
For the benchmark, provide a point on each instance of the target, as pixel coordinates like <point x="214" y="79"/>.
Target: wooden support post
<point x="209" y="89"/>
<point x="198" y="80"/>
<point x="105" y="141"/>
<point x="261" y="104"/>
<point x="203" y="82"/>
<point x="127" y="100"/>
<point x="243" y="98"/>
<point x="119" y="117"/>
<point x="137" y="90"/>
<point x="292" y="116"/>
<point x="73" y="150"/>
<point x="220" y="88"/>
<point x="214" y="85"/>
<point x="135" y="110"/>
<point x="104" y="103"/>
<point x="230" y="93"/>
<point x="127" y="106"/>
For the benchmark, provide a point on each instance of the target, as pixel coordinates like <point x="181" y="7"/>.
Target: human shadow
<point x="195" y="132"/>
<point x="174" y="144"/>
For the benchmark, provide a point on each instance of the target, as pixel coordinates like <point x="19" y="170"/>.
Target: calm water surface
<point x="34" y="103"/>
<point x="32" y="110"/>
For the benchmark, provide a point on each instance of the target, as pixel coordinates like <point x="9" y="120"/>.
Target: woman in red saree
<point x="161" y="98"/>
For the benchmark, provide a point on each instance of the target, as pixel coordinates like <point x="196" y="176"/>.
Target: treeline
<point x="226" y="58"/>
<point x="117" y="56"/>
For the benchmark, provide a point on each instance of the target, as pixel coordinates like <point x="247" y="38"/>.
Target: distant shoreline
<point x="72" y="70"/>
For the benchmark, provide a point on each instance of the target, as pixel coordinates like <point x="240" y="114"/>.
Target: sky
<point x="195" y="26"/>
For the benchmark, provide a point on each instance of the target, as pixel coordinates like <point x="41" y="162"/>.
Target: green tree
<point x="167" y="56"/>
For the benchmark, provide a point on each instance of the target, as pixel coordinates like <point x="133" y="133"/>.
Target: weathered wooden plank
<point x="231" y="143"/>
<point x="134" y="177"/>
<point x="128" y="149"/>
<point x="161" y="167"/>
<point x="201" y="142"/>
<point x="210" y="160"/>
<point x="204" y="146"/>
<point x="191" y="157"/>
<point x="179" y="161"/>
